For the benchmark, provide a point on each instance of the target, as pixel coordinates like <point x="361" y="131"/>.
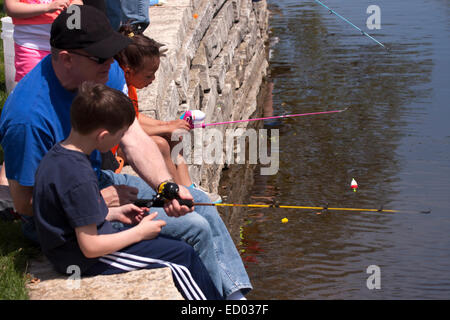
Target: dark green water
<point x="394" y="140"/>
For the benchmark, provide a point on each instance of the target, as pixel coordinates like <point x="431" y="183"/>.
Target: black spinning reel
<point x="166" y="191"/>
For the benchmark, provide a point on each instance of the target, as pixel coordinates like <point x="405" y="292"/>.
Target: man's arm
<point x="145" y="158"/>
<point x="22" y="197"/>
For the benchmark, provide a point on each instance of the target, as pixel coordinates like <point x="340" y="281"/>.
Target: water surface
<point x="394" y="140"/>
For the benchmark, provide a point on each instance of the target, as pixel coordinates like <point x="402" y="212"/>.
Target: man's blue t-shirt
<point x="66" y="196"/>
<point x="36" y="116"/>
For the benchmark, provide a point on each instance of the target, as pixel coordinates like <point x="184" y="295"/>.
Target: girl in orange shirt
<point x="140" y="61"/>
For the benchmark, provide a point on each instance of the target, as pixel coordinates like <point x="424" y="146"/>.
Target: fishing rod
<point x="323" y="209"/>
<point x="190" y="118"/>
<point x="169" y="191"/>
<point x="350" y="23"/>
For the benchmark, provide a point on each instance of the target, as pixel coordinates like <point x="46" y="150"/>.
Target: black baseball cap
<point x="89" y="29"/>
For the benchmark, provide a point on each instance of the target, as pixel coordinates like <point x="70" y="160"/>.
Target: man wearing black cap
<point x="81" y="52"/>
<point x="36" y="116"/>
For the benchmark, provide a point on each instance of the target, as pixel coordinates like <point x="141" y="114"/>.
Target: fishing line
<point x="204" y="125"/>
<point x="350" y="23"/>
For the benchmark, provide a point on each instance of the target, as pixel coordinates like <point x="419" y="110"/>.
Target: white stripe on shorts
<point x="126" y="261"/>
<point x="177" y="269"/>
<point x="117" y="265"/>
<point x="123" y="262"/>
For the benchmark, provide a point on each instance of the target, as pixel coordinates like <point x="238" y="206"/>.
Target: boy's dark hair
<point x="98" y="106"/>
<point x="140" y="48"/>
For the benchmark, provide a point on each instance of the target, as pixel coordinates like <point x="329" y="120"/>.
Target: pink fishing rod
<point x="204" y="125"/>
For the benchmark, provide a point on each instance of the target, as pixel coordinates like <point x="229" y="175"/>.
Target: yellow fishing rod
<point x="292" y="207"/>
<point x="322" y="209"/>
<point x="169" y="191"/>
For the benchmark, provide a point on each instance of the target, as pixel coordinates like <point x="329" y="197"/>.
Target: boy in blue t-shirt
<point x="72" y="219"/>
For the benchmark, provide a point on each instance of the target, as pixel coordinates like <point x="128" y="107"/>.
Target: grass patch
<point x="15" y="249"/>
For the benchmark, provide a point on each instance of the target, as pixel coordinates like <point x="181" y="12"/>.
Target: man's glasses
<point x="96" y="59"/>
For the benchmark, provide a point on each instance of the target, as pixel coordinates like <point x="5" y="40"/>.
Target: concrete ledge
<point x="47" y="284"/>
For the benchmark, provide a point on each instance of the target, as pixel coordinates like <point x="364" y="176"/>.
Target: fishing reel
<point x="193" y="117"/>
<point x="166" y="191"/>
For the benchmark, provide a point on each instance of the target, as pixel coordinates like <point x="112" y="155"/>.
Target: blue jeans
<point x="127" y="11"/>
<point x="203" y="229"/>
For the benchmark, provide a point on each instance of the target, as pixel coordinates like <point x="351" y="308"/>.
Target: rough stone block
<point x="236" y="10"/>
<point x="205" y="81"/>
<point x="195" y="4"/>
<point x="170" y="105"/>
<point x="205" y="14"/>
<point x="217" y="34"/>
<point x="262" y="15"/>
<point x="235" y="37"/>
<point x="213" y="172"/>
<point x="194" y="94"/>
<point x="155" y="284"/>
<point x="182" y="81"/>
<point x="195" y="173"/>
<point x="226" y="102"/>
<point x="246" y="8"/>
<point x="209" y="103"/>
<point x="218" y="72"/>
<point x="238" y="66"/>
<point x="253" y="75"/>
<point x="200" y="61"/>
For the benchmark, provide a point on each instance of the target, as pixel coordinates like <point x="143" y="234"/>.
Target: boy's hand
<point x="149" y="228"/>
<point x="131" y="214"/>
<point x="173" y="208"/>
<point x="128" y="214"/>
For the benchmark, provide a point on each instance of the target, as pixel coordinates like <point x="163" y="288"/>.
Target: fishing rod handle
<point x="159" y="203"/>
<point x="187" y="203"/>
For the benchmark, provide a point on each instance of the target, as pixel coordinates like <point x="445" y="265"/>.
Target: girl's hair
<point x="141" y="47"/>
<point x="98" y="106"/>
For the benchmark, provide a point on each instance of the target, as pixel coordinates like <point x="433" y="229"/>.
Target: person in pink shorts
<point x="32" y="21"/>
